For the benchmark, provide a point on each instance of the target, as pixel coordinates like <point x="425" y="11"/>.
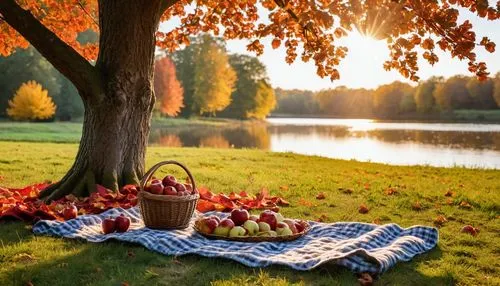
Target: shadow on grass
<point x="72" y="262"/>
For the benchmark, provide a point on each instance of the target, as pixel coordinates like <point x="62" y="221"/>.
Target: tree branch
<point x="64" y="58"/>
<point x="165" y="4"/>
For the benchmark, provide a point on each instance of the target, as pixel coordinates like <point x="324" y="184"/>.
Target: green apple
<point x="280" y="227"/>
<point x="237" y="231"/>
<point x="251" y="226"/>
<point x="286" y="231"/>
<point x="279" y="217"/>
<point x="269" y="233"/>
<point x="264" y="226"/>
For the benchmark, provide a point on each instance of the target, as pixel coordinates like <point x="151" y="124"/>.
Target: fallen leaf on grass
<point x="284" y="188"/>
<point x="416" y="206"/>
<point x="449" y="193"/>
<point x="365" y="279"/>
<point x="130" y="253"/>
<point x="320" y="196"/>
<point x="304" y="202"/>
<point x="322" y="218"/>
<point x="465" y="205"/>
<point x="390" y="191"/>
<point x="470" y="230"/>
<point x="377" y="221"/>
<point x="363" y="209"/>
<point x="347" y="191"/>
<point x="440" y="220"/>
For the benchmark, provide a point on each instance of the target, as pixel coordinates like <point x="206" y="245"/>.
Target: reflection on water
<point x="438" y="144"/>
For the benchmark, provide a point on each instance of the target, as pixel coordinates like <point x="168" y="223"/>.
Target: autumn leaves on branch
<point x="310" y="28"/>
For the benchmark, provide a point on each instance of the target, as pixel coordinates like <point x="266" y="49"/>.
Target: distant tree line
<point x="397" y="99"/>
<point x="200" y="80"/>
<point x="214" y="83"/>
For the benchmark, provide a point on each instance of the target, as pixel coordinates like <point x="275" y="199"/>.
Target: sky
<point x="363" y="66"/>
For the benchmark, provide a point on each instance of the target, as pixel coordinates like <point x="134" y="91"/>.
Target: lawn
<point x="70" y="132"/>
<point x="459" y="258"/>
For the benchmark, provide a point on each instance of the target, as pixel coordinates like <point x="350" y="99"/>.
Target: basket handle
<point x="153" y="169"/>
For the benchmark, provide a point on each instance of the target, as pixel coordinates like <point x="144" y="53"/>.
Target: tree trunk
<point x="117" y="119"/>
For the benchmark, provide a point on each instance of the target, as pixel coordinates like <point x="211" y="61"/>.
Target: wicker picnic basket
<point x="167" y="212"/>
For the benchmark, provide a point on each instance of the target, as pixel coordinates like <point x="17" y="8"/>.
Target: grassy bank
<point x="459" y="259"/>
<point x="70" y="132"/>
<point x="459" y="116"/>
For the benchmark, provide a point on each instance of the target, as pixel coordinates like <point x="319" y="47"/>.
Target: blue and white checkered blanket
<point x="360" y="247"/>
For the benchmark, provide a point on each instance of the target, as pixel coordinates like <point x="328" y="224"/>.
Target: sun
<point x="363" y="65"/>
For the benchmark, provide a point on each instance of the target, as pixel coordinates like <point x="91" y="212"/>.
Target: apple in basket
<point x="237" y="231"/>
<point x="291" y="224"/>
<point x="122" y="223"/>
<point x="180" y="187"/>
<point x="283" y="229"/>
<point x="169" y="191"/>
<point x="169" y="180"/>
<point x="239" y="216"/>
<point x="251" y="227"/>
<point x="224" y="227"/>
<point x="156" y="187"/>
<point x="207" y="225"/>
<point x="269" y="217"/>
<point x="300" y="226"/>
<point x="254" y="218"/>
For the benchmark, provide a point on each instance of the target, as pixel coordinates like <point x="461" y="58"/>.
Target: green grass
<point x="477" y="115"/>
<point x="459" y="258"/>
<point x="70" y="132"/>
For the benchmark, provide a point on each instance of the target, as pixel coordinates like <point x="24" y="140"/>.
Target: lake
<point x="397" y="143"/>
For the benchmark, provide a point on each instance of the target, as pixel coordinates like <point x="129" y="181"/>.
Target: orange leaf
<point x="320" y="196"/>
<point x="276" y="43"/>
<point x="205" y="206"/>
<point x="363" y="209"/>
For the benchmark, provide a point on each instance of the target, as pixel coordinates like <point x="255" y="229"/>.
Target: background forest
<point x="204" y="80"/>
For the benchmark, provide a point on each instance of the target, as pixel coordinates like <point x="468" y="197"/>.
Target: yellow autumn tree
<point x="31" y="102"/>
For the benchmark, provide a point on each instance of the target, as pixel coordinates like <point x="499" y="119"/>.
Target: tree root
<point x="82" y="184"/>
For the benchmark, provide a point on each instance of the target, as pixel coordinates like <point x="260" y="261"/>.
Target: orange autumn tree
<point x="117" y="87"/>
<point x="167" y="87"/>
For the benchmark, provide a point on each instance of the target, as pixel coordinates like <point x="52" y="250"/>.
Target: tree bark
<point x="116" y="121"/>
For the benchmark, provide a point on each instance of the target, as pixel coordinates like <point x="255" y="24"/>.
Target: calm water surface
<point x="398" y="143"/>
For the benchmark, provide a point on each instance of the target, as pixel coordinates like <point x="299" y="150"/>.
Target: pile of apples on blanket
<point x="241" y="224"/>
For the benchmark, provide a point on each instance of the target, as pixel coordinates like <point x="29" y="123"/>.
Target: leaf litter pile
<point x="24" y="204"/>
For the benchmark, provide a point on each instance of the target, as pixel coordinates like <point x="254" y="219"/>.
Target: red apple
<point x="70" y="212"/>
<point x="169" y="180"/>
<point x="189" y="188"/>
<point x="215" y="217"/>
<point x="224" y="227"/>
<point x="122" y="223"/>
<point x="180" y="187"/>
<point x="156" y="187"/>
<point x="208" y="225"/>
<point x="269" y="217"/>
<point x="155" y="181"/>
<point x="291" y="225"/>
<point x="239" y="216"/>
<point x="170" y="191"/>
<point x="108" y="225"/>
<point x="300" y="227"/>
<point x="182" y="193"/>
